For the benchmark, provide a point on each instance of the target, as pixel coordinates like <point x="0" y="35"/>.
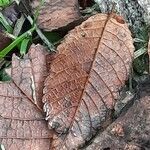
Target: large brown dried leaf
<point x="22" y="125"/>
<point x="91" y="66"/>
<point x="56" y="13"/>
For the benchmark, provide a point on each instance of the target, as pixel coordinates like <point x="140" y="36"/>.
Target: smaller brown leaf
<point x="29" y="73"/>
<point x="56" y="13"/>
<point x="22" y="125"/>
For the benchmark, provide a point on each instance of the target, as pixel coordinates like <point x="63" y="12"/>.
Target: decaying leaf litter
<point x="21" y="118"/>
<point x="82" y="91"/>
<point x="64" y="99"/>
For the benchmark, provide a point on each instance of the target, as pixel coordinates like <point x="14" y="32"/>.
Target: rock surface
<point x="130" y="131"/>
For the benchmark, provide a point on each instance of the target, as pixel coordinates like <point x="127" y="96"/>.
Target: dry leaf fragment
<point x="56" y="13"/>
<point x="22" y="125"/>
<point x="91" y="66"/>
<point x="29" y="73"/>
<point x="4" y="40"/>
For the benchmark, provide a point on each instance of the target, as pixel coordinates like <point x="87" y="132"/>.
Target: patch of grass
<point x="21" y="35"/>
<point x="141" y="40"/>
<point x="4" y="3"/>
<point x="22" y="40"/>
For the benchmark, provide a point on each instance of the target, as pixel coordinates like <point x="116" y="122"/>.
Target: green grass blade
<point x="6" y="50"/>
<point x="24" y="46"/>
<point x="140" y="52"/>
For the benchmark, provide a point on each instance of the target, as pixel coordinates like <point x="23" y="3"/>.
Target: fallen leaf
<point x="22" y="124"/>
<point x="29" y="73"/>
<point x="56" y="13"/>
<point x="86" y="75"/>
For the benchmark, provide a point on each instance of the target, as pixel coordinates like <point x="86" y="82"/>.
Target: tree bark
<point x="135" y="12"/>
